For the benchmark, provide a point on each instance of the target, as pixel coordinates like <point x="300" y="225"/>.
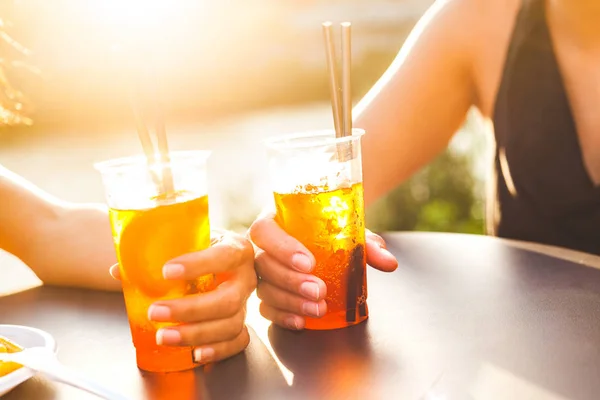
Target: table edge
<point x="574" y="256"/>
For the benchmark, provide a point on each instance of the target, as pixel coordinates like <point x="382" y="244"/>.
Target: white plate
<point x="25" y="337"/>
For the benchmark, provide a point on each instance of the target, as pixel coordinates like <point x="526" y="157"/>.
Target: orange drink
<point x="150" y="229"/>
<point x="319" y="201"/>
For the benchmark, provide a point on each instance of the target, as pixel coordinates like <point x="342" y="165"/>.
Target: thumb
<point x="378" y="256"/>
<point x="114" y="272"/>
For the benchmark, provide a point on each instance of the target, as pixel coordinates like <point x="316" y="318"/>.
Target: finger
<point x="224" y="302"/>
<point x="376" y="238"/>
<point x="222" y="350"/>
<point x="379" y="257"/>
<point x="244" y="277"/>
<point x="272" y="271"/>
<point x="290" y="302"/>
<point x="282" y="318"/>
<point x="269" y="236"/>
<point x="224" y="256"/>
<point x="114" y="272"/>
<point x="202" y="333"/>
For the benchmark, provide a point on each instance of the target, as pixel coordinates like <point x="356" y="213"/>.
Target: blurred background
<point x="228" y="73"/>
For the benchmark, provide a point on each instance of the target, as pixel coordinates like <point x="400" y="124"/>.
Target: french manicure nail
<point x="159" y="313"/>
<point x="310" y="290"/>
<point x="173" y="271"/>
<point x="203" y="355"/>
<point x="301" y="262"/>
<point x="387" y="253"/>
<point x="310" y="309"/>
<point x="292" y="323"/>
<point x="169" y="337"/>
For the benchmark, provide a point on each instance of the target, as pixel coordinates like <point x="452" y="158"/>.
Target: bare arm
<point x="420" y="102"/>
<point x="64" y="244"/>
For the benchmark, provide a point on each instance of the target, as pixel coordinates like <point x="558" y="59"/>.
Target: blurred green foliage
<point x="441" y="197"/>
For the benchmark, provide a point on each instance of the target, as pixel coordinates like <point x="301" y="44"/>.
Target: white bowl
<point x="25" y="337"/>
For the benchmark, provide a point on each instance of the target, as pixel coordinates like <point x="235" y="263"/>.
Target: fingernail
<point x="173" y="271"/>
<point x="159" y="313"/>
<point x="292" y="323"/>
<point x="310" y="290"/>
<point x="301" y="262"/>
<point x="168" y="337"/>
<point x="311" y="309"/>
<point x="387" y="253"/>
<point x="114" y="271"/>
<point x="380" y="243"/>
<point x="203" y="355"/>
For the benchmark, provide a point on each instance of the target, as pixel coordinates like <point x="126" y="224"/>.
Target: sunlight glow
<point x="143" y="25"/>
<point x="261" y="328"/>
<point x="341" y="209"/>
<point x="134" y="15"/>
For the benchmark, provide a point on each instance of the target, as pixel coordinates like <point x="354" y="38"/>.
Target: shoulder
<point x="471" y="36"/>
<point x="485" y="11"/>
<point x="475" y="20"/>
<point x="469" y="24"/>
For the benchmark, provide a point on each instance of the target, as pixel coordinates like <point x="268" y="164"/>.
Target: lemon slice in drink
<point x="153" y="237"/>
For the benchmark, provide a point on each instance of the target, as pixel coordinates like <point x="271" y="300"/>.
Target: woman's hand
<point x="287" y="290"/>
<point x="212" y="322"/>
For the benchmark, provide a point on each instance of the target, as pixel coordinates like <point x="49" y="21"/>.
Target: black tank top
<point x="543" y="193"/>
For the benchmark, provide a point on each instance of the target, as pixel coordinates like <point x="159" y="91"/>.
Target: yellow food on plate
<point x="8" y="346"/>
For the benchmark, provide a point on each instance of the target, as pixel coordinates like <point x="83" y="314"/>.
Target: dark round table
<point x="463" y="316"/>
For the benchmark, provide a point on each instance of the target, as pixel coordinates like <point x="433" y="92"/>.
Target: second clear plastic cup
<point x="317" y="184"/>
